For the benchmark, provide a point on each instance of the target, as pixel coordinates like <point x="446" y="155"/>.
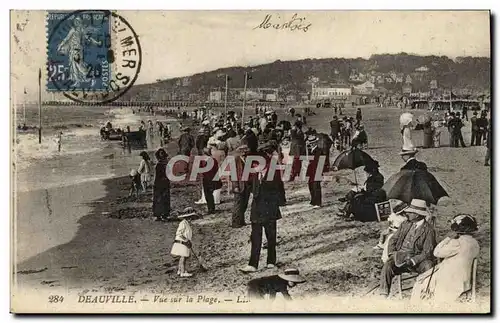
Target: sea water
<point x="53" y="189"/>
<point x="83" y="156"/>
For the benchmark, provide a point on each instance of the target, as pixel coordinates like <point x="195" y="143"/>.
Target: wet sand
<point x="133" y="253"/>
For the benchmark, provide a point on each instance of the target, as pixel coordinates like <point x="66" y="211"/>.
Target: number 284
<point x="56" y="299"/>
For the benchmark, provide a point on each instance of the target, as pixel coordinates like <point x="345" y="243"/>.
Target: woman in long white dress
<point x="406" y="125"/>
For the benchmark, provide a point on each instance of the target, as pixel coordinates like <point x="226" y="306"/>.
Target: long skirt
<point x="428" y="140"/>
<point x="161" y="201"/>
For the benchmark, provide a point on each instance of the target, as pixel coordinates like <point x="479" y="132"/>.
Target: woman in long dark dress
<point x="161" y="188"/>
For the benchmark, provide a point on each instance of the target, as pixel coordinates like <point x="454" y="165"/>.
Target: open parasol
<point x="407" y="185"/>
<point x="352" y="159"/>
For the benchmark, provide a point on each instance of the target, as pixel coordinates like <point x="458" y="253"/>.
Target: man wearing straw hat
<point x="411" y="163"/>
<point x="312" y="172"/>
<point x="268" y="196"/>
<point x="411" y="247"/>
<point x="271" y="285"/>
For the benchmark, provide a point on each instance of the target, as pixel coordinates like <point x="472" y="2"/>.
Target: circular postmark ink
<point x="94" y="56"/>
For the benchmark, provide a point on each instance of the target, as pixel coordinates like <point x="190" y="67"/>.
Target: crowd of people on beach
<point x="409" y="242"/>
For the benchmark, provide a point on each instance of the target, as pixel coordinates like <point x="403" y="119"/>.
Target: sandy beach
<point x="115" y="245"/>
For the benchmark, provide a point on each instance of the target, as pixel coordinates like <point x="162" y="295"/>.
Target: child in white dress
<point x="182" y="244"/>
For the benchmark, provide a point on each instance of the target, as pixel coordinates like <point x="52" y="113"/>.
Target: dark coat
<point x="186" y="143"/>
<point x="208" y="176"/>
<point x="312" y="167"/>
<point x="413" y="164"/>
<point x="251" y="140"/>
<point x="297" y="143"/>
<point x="363" y="204"/>
<point x="335" y="127"/>
<point x="201" y="142"/>
<point x="424" y="243"/>
<point x="161" y="191"/>
<point x="268" y="196"/>
<point x="488" y="138"/>
<point x="482" y="124"/>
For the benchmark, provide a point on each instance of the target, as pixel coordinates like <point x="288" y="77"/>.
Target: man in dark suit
<point x="241" y="188"/>
<point x="359" y="117"/>
<point x="335" y="128"/>
<point x="474" y="130"/>
<point x="411" y="247"/>
<point x="297" y="148"/>
<point x="250" y="139"/>
<point x="488" y="146"/>
<point x="456" y="128"/>
<point x="411" y="163"/>
<point x="482" y="124"/>
<point x="268" y="196"/>
<point x="312" y="171"/>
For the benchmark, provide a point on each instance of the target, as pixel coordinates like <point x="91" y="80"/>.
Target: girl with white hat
<point x="182" y="244"/>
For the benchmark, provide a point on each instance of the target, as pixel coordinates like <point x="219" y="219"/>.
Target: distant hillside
<point x="464" y="72"/>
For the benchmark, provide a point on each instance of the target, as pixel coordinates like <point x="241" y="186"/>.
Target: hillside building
<point x="366" y="88"/>
<point x="332" y="91"/>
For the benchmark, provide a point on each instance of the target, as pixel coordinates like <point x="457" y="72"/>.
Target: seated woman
<point x="449" y="279"/>
<point x="360" y="137"/>
<point x="361" y="205"/>
<point x="394" y="220"/>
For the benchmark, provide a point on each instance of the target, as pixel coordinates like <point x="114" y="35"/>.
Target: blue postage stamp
<point x="78" y="47"/>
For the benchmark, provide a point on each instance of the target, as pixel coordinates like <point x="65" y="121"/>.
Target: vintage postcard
<point x="250" y="161"/>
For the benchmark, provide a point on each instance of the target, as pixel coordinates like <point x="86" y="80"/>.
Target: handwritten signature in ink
<point x="294" y="24"/>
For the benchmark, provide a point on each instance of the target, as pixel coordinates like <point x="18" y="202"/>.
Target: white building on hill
<point x="332" y="91"/>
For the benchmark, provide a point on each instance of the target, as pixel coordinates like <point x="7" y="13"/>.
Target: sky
<point x="182" y="43"/>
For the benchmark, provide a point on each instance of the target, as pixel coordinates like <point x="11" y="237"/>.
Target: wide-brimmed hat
<point x="418" y="206"/>
<point x="185" y="129"/>
<point x="292" y="275"/>
<point x="463" y="223"/>
<point x="269" y="112"/>
<point x="205" y="122"/>
<point x="405" y="152"/>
